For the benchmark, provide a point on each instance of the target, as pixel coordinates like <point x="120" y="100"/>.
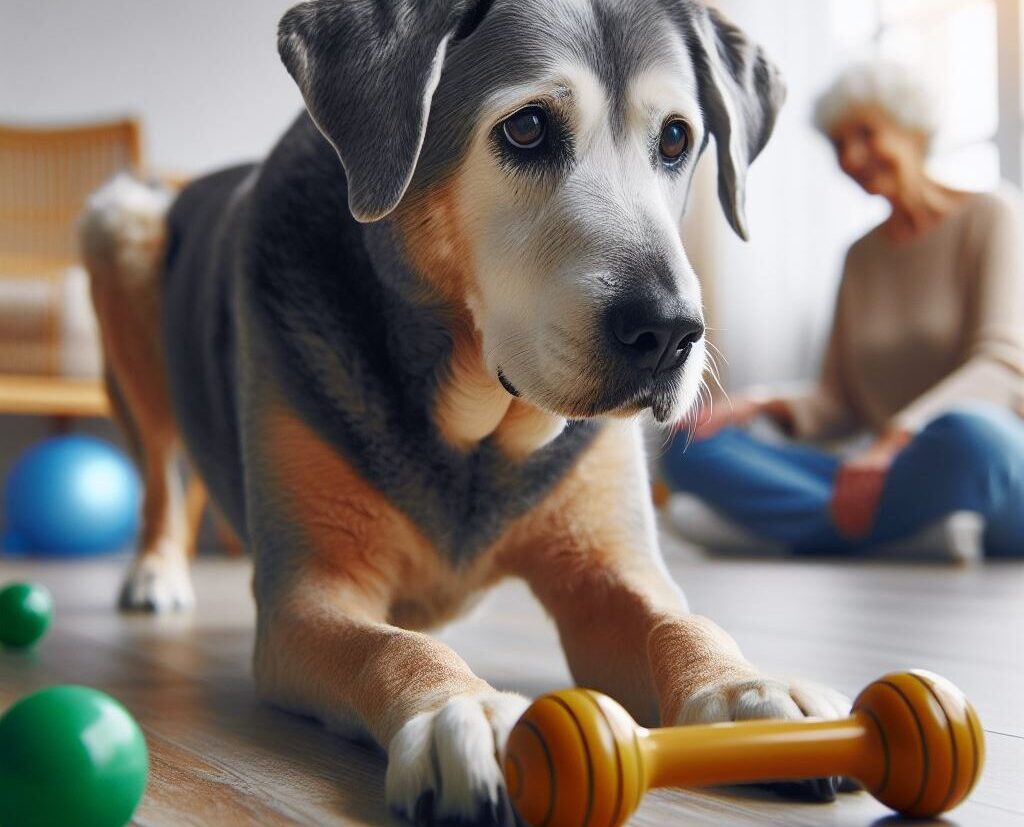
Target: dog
<point x="408" y="354"/>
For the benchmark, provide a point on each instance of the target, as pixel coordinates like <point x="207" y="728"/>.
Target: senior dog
<point x="407" y="375"/>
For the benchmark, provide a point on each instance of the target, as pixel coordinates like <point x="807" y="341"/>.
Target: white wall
<point x="773" y="297"/>
<point x="204" y="75"/>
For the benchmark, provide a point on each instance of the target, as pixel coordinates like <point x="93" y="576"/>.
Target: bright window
<point x="975" y="73"/>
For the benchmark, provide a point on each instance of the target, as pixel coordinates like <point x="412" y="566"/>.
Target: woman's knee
<point x="974" y="455"/>
<point x="686" y="457"/>
<point x="979" y="432"/>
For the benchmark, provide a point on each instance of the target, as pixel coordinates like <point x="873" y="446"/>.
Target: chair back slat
<point x="46" y="174"/>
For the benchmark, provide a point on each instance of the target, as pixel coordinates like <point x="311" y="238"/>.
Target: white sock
<point x="957" y="538"/>
<point x="699" y="524"/>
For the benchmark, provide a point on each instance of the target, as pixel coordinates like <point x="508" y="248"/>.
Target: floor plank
<point x="222" y="758"/>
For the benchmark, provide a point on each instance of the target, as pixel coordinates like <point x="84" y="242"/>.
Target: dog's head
<point x="564" y="134"/>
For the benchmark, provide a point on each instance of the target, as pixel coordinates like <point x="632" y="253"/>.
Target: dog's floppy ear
<point x="741" y="93"/>
<point x="368" y="70"/>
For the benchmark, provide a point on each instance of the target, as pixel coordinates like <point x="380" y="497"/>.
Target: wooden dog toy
<point x="577" y="759"/>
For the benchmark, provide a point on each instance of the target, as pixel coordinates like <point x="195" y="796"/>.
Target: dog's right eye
<point x="675" y="141"/>
<point x="526" y="128"/>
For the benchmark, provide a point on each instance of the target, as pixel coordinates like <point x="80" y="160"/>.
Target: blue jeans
<point x="968" y="460"/>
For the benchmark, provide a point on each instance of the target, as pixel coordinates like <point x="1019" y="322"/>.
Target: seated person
<point x="926" y="352"/>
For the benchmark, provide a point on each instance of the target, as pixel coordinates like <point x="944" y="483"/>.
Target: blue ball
<point x="73" y="496"/>
<point x="13" y="546"/>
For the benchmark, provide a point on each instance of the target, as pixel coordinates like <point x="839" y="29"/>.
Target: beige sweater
<point x="923" y="326"/>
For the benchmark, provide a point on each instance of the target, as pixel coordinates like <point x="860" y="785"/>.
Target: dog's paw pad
<point x="157" y="583"/>
<point x="444" y="766"/>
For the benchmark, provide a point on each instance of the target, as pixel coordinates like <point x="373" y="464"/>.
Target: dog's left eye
<point x="526" y="128"/>
<point x="675" y="141"/>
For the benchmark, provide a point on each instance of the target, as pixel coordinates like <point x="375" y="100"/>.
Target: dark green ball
<point x="70" y="756"/>
<point x="25" y="613"/>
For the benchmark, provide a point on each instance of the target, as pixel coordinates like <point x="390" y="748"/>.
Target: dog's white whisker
<point x="717" y="351"/>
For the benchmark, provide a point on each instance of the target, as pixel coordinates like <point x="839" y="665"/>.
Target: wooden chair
<point x="46" y="175"/>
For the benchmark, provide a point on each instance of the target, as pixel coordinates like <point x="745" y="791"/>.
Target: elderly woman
<point x="926" y="353"/>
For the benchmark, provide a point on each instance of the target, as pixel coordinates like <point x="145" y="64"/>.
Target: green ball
<point x="70" y="756"/>
<point x="25" y="613"/>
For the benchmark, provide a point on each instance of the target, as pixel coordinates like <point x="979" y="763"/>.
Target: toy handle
<point x="733" y="753"/>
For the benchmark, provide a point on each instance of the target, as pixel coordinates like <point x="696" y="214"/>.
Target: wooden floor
<point x="220" y="758"/>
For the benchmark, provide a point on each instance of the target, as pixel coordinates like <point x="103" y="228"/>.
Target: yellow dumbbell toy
<point x="577" y="758"/>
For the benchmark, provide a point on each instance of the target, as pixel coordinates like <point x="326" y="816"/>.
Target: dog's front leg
<point x="321" y="653"/>
<point x="592" y="559"/>
<point x="626" y="632"/>
<point x="333" y="556"/>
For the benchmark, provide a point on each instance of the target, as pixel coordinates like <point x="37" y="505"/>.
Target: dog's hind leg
<point x="123" y="239"/>
<point x="158" y="579"/>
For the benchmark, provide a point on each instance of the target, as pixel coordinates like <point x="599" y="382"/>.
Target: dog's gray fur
<point x="337" y="314"/>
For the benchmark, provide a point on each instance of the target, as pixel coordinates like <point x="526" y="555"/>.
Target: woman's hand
<point x="859" y="485"/>
<point x="709" y="420"/>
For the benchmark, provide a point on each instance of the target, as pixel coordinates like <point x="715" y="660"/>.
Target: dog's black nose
<point x="654" y="335"/>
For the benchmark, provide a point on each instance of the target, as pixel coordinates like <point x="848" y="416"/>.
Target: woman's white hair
<point x="893" y="87"/>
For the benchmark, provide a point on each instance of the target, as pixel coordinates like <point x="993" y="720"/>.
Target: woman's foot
<point x="696" y="522"/>
<point x="957" y="538"/>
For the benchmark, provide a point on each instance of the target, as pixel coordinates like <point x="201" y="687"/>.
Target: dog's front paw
<point x="445" y="767"/>
<point x="743" y="700"/>
<point x="157" y="583"/>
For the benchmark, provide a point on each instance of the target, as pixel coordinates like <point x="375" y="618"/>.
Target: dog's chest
<point x="460" y="501"/>
<point x="375" y="410"/>
<point x="464" y="503"/>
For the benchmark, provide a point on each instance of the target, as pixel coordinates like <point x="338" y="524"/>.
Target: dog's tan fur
<point x="338" y="636"/>
<point x="471" y="405"/>
<point x="435" y="244"/>
<point x="588" y="554"/>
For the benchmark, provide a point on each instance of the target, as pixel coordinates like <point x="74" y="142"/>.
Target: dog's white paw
<point x="744" y="700"/>
<point x="157" y="583"/>
<point x="445" y="766"/>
